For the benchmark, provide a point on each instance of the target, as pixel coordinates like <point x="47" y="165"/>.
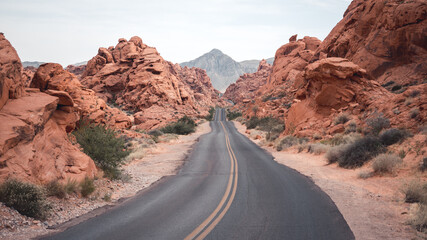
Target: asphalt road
<point x="229" y="188"/>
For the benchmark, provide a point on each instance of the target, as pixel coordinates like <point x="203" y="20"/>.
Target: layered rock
<point x="135" y="76"/>
<point x="73" y="97"/>
<point x="34" y="145"/>
<point x="387" y="38"/>
<point x="246" y="86"/>
<point x="11" y="82"/>
<point x="28" y="74"/>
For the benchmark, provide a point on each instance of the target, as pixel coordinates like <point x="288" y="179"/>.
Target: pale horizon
<point x="72" y="32"/>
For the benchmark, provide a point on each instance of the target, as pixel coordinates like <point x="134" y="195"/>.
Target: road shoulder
<point x="372" y="207"/>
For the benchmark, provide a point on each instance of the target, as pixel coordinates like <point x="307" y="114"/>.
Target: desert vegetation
<point x="232" y="115"/>
<point x="183" y="126"/>
<point x="211" y="114"/>
<point x="273" y="126"/>
<point x="104" y="146"/>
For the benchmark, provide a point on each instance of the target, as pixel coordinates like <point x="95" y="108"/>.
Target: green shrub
<point x="54" y="188"/>
<point x="87" y="187"/>
<point x="416" y="191"/>
<point x="233" y="115"/>
<point x="252" y="123"/>
<point x="210" y="116"/>
<point x="385" y="163"/>
<point x="103" y="146"/>
<point x="341" y="118"/>
<point x="392" y="136"/>
<point x="359" y="152"/>
<point x="377" y="123"/>
<point x="183" y="126"/>
<point x="289" y="141"/>
<point x="26" y="198"/>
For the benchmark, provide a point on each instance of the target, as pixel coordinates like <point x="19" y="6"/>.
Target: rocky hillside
<point x="135" y="77"/>
<point x="243" y="90"/>
<point x="313" y="82"/>
<point x="222" y="69"/>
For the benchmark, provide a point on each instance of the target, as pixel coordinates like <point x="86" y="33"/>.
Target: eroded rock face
<point x="246" y="86"/>
<point x="76" y="70"/>
<point x="51" y="78"/>
<point x="11" y="83"/>
<point x="135" y="76"/>
<point x="387" y="38"/>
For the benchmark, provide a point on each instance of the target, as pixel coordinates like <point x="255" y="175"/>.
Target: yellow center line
<point x="207" y="221"/>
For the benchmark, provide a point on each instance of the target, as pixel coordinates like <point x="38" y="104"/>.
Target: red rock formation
<point x="11" y="83"/>
<point x="76" y="70"/>
<point x="53" y="79"/>
<point x="34" y="145"/>
<point x="245" y="87"/>
<point x="387" y="38"/>
<point x="136" y="77"/>
<point x="28" y="74"/>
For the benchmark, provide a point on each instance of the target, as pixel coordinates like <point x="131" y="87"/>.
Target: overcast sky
<point x="72" y="31"/>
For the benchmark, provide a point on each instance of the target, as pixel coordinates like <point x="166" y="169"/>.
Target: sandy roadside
<point x="373" y="208"/>
<point x="164" y="159"/>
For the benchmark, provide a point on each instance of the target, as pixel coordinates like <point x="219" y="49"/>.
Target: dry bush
<point x="334" y="153"/>
<point x="365" y="174"/>
<point x="385" y="163"/>
<point x="415" y="191"/>
<point x="317" y="148"/>
<point x="341" y="118"/>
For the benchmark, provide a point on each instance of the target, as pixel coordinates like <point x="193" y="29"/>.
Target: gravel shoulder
<point x="158" y="161"/>
<point x="373" y="208"/>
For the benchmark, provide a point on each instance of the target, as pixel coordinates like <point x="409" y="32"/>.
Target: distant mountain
<point x="79" y="63"/>
<point x="222" y="69"/>
<point x="31" y="64"/>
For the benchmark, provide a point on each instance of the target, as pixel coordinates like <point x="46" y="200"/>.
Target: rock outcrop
<point x="387" y="38"/>
<point x="76" y="70"/>
<point x="246" y="86"/>
<point x="34" y="145"/>
<point x="135" y="76"/>
<point x="11" y="82"/>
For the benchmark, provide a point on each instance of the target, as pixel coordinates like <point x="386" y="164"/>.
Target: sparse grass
<point x="71" y="186"/>
<point x="107" y="197"/>
<point x="103" y="146"/>
<point x="341" y="118"/>
<point x="365" y="174"/>
<point x="54" y="188"/>
<point x="26" y="198"/>
<point x="392" y="136"/>
<point x="289" y="141"/>
<point x="87" y="187"/>
<point x="317" y="148"/>
<point x="385" y="163"/>
<point x="183" y="126"/>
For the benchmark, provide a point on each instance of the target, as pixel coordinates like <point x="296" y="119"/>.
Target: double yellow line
<point x="209" y="223"/>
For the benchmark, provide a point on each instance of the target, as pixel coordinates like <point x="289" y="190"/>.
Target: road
<point x="229" y="188"/>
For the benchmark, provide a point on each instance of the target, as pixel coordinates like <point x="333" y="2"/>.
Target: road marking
<point x="209" y="223"/>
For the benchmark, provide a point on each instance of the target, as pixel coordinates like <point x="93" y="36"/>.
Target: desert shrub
<point x="423" y="165"/>
<point x="339" y="139"/>
<point x="365" y="174"/>
<point x="414" y="93"/>
<point x="341" y="118"/>
<point x="289" y="141"/>
<point x="155" y="132"/>
<point x="385" y="163"/>
<point x="420" y="219"/>
<point x="359" y="152"/>
<point x="103" y="146"/>
<point x="414" y="113"/>
<point x="377" y="123"/>
<point x="54" y="188"/>
<point x="87" y="187"/>
<point x="210" y="116"/>
<point x="26" y="198"/>
<point x="351" y="128"/>
<point x="392" y="136"/>
<point x="317" y="148"/>
<point x="183" y="126"/>
<point x="252" y="122"/>
<point x="334" y="153"/>
<point x="388" y="83"/>
<point x="415" y="191"/>
<point x="233" y="115"/>
<point x="396" y="87"/>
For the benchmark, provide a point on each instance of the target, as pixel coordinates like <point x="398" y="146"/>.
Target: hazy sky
<point x="72" y="31"/>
